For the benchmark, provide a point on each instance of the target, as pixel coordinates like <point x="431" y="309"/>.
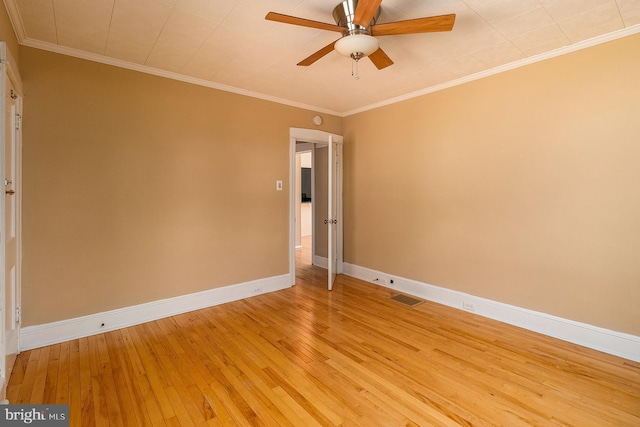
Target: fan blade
<point x="319" y="54"/>
<point x="278" y="17"/>
<point x="365" y="11"/>
<point x="413" y="26"/>
<point x="380" y="59"/>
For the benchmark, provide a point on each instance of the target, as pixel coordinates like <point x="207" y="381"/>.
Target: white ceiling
<point x="228" y="44"/>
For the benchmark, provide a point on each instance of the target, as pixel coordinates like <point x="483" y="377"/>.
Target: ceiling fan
<point x="356" y="21"/>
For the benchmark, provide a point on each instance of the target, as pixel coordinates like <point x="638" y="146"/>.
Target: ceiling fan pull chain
<point x="354" y="66"/>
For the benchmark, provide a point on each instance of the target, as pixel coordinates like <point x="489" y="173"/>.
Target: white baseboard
<point x="611" y="342"/>
<point x="321" y="261"/>
<point x="52" y="333"/>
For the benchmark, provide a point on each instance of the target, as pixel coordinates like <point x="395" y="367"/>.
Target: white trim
<point x="12" y="69"/>
<point x="65" y="330"/>
<point x="16" y="20"/>
<point x="605" y="340"/>
<point x="502" y="68"/>
<point x="321" y="261"/>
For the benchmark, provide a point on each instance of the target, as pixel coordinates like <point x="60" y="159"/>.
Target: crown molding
<point x="16" y="21"/>
<point x="502" y="68"/>
<point x="36" y="44"/>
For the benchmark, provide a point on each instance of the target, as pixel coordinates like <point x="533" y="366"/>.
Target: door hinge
<point x="18" y="121"/>
<point x="18" y="315"/>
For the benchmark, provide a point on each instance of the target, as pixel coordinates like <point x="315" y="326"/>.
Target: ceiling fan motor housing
<point x="356" y="41"/>
<point x="343" y="15"/>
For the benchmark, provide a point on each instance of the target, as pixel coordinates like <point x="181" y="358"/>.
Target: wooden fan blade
<point x="365" y="11"/>
<point x="319" y="54"/>
<point x="278" y="17"/>
<point x="413" y="26"/>
<point x="380" y="59"/>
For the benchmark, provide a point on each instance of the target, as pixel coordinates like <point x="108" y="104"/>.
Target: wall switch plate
<point x="279" y="185"/>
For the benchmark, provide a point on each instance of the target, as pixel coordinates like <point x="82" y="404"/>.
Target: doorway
<point x="304" y="183"/>
<point x="326" y="196"/>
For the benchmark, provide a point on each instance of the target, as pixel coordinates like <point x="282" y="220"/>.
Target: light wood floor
<point x="308" y="357"/>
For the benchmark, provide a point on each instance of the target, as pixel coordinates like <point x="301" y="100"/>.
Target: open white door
<point x="332" y="214"/>
<point x="11" y="227"/>
<point x="10" y="115"/>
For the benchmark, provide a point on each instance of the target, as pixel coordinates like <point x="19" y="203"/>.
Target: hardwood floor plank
<point x="51" y="383"/>
<point x="62" y="387"/>
<point x="37" y="391"/>
<point x="129" y="413"/>
<point x="87" y="413"/>
<point x="17" y="377"/>
<point x="98" y="387"/>
<point x="74" y="387"/>
<point x="28" y="381"/>
<point x="304" y="356"/>
<point x="143" y="399"/>
<point x="153" y="374"/>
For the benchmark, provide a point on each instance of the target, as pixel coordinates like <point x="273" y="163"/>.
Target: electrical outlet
<point x="469" y="306"/>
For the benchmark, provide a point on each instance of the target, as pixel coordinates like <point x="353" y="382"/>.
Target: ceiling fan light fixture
<point x="357" y="46"/>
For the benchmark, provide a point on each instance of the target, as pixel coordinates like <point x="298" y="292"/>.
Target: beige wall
<point x="7" y="35"/>
<point x="138" y="188"/>
<point x="523" y="187"/>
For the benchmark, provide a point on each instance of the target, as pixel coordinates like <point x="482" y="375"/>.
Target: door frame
<point x="319" y="138"/>
<point x="9" y="70"/>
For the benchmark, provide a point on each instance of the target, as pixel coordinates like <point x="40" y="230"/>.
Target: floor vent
<point x="407" y="300"/>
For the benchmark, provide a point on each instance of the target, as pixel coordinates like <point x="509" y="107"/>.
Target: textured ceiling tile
<point x="135" y="27"/>
<point x="498" y="54"/>
<point x="83" y="25"/>
<point x="563" y="9"/>
<point x="541" y="39"/>
<point x="122" y="46"/>
<point x="592" y="22"/>
<point x="181" y="37"/>
<point x="167" y="58"/>
<point x="215" y="11"/>
<point x="186" y="30"/>
<point x="524" y="23"/>
<point x="463" y="66"/>
<point x="421" y="8"/>
<point x="481" y="40"/>
<point x="140" y="19"/>
<point x="630" y="10"/>
<point x="38" y="20"/>
<point x="495" y="11"/>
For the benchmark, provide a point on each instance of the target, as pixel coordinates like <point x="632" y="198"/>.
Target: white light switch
<point x="279" y="185"/>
